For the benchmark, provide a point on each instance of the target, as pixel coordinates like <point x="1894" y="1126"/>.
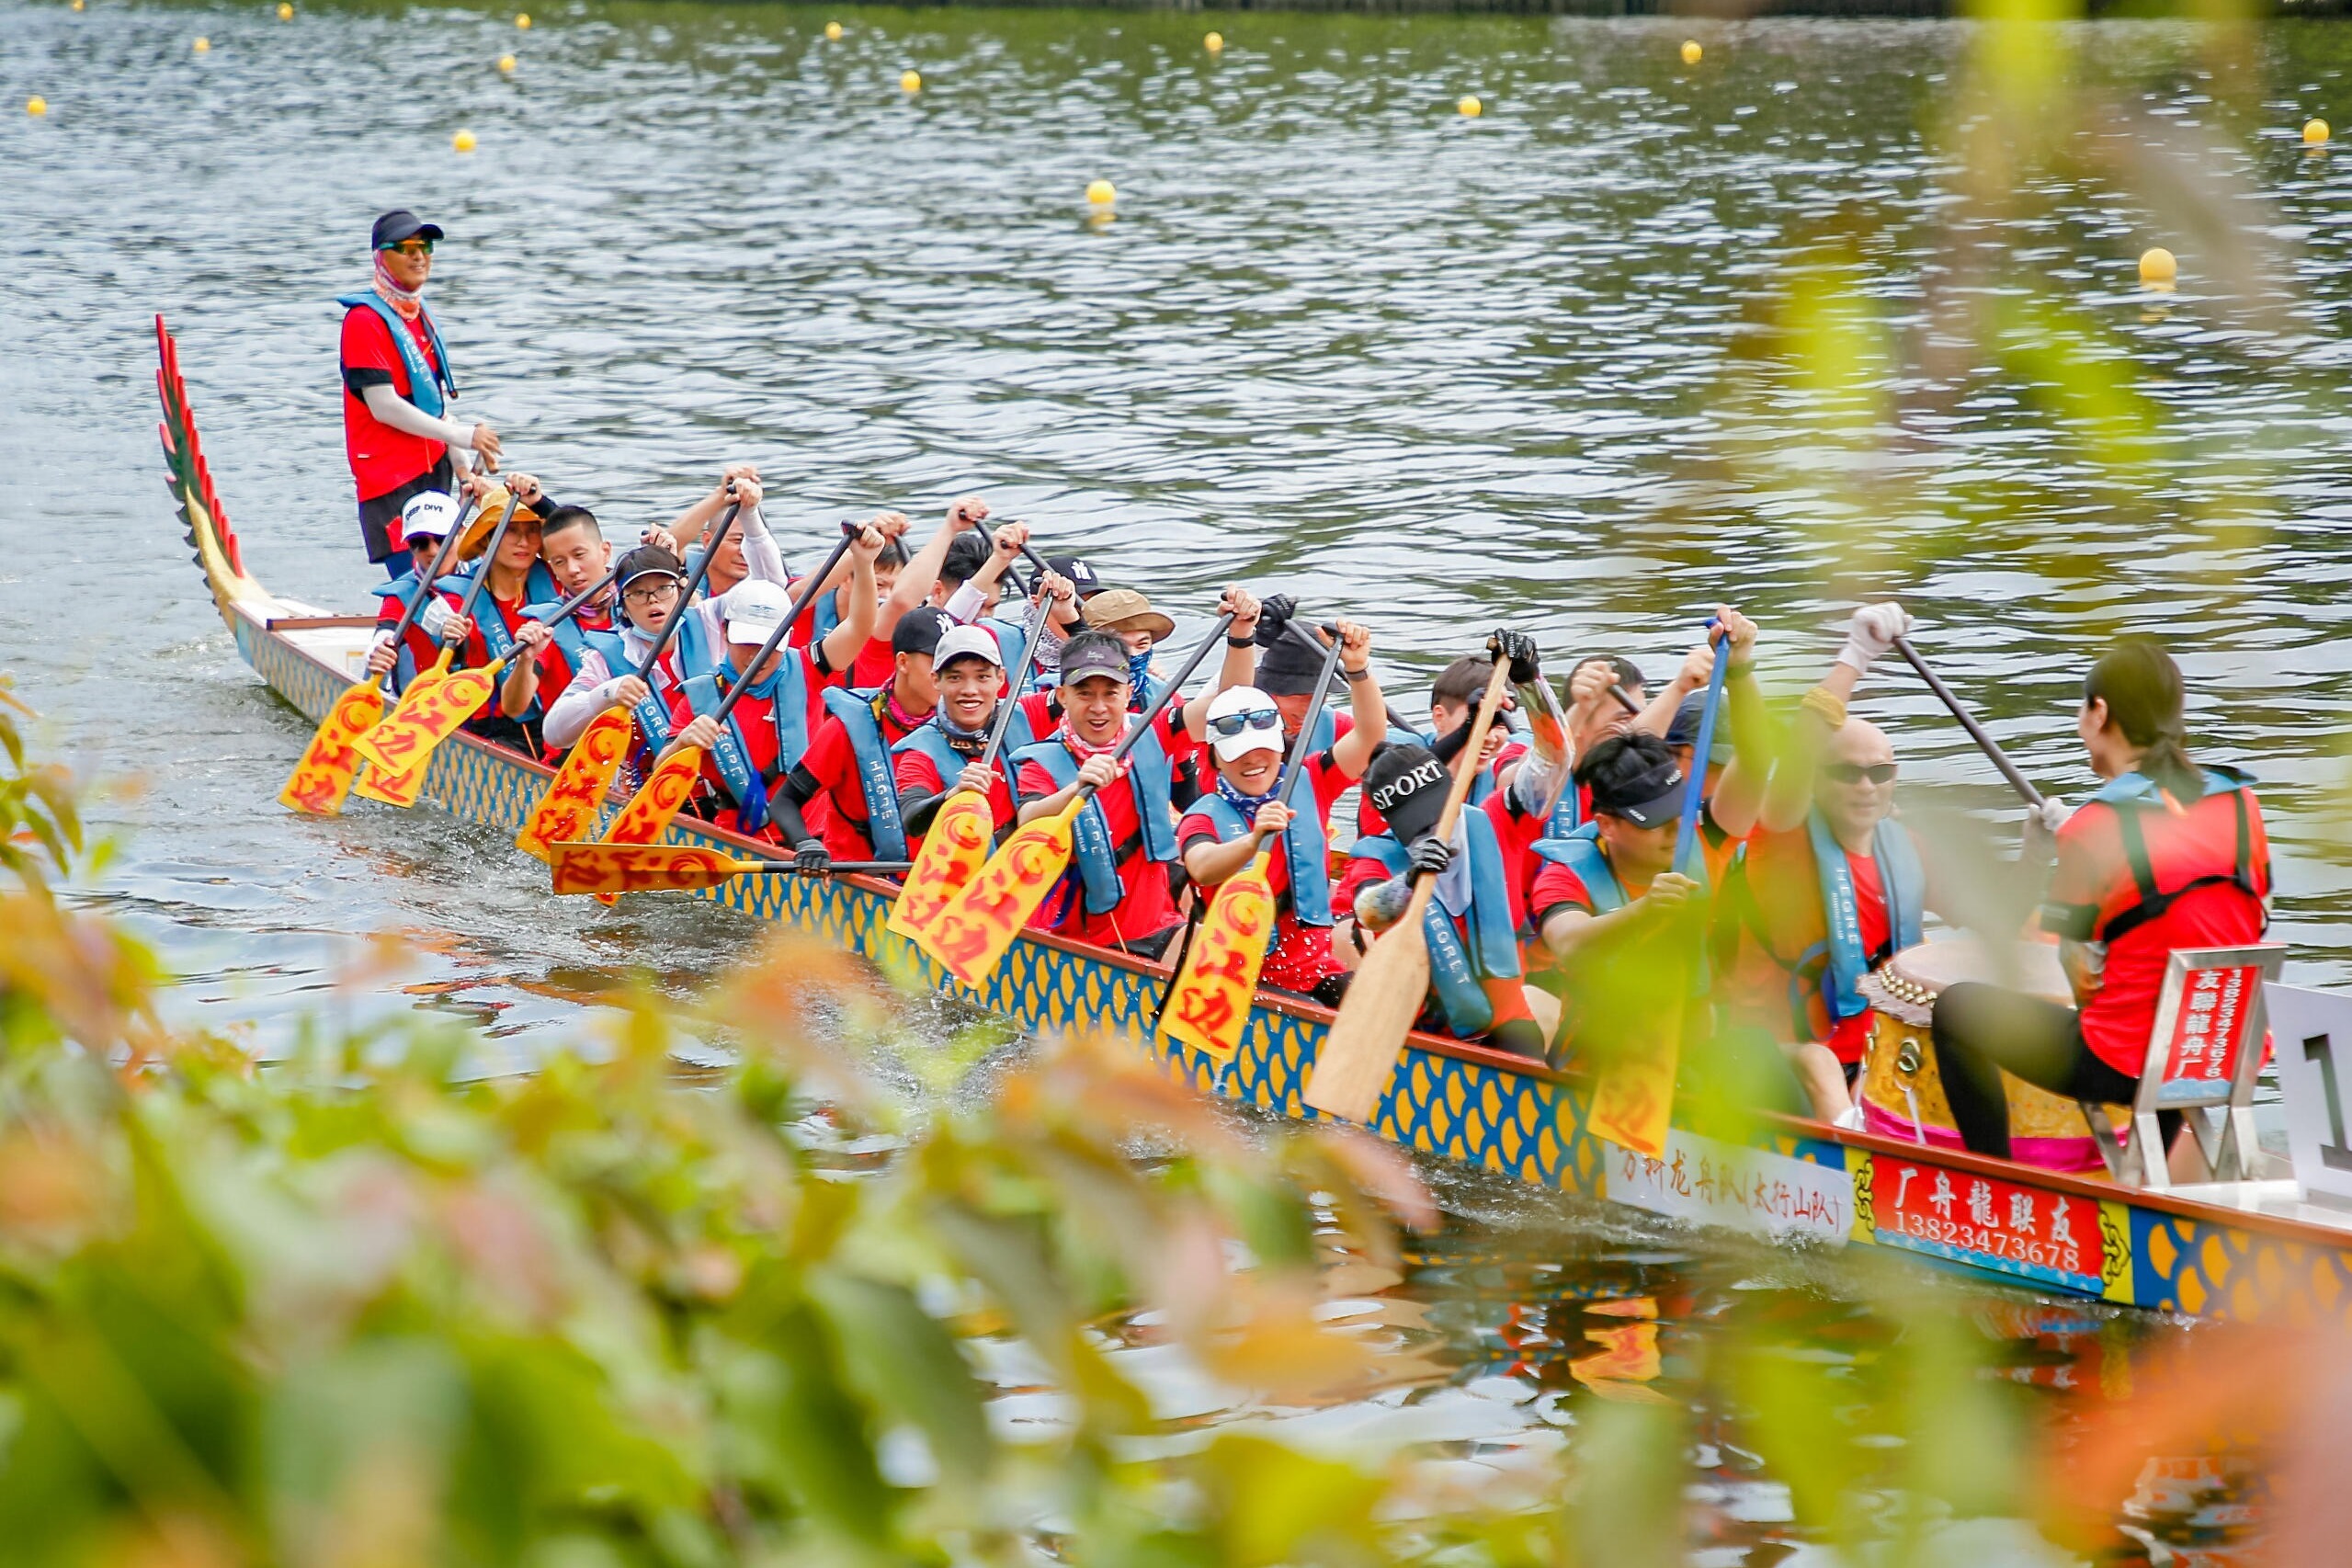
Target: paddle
<point x="957" y="843"/>
<point x="650" y="810"/>
<point x="611" y="869"/>
<point x="1633" y="1097"/>
<point x="1361" y="1049"/>
<point x="323" y="777"/>
<point x="568" y="810"/>
<point x="1208" y="1003"/>
<point x="401" y="787"/>
<point x="1990" y="747"/>
<point x="971" y="936"/>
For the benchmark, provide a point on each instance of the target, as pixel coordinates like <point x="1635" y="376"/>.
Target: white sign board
<point x="1740" y="1189"/>
<point x="2312" y="1043"/>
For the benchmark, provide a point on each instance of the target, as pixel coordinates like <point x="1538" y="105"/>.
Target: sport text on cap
<point x="1407" y="785"/>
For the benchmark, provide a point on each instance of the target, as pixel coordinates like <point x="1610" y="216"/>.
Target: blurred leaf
<point x="902" y="1359"/>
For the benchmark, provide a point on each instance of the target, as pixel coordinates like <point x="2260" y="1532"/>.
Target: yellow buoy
<point x="833" y="30"/>
<point x="1213" y="43"/>
<point x="1467" y="104"/>
<point x="1691" y="52"/>
<point x="2314" y="133"/>
<point x="506" y="64"/>
<point x="462" y="141"/>
<point x="2158" y="264"/>
<point x="1101" y="192"/>
<point x="36" y="105"/>
<point x="204" y="46"/>
<point x="523" y="20"/>
<point x="911" y="82"/>
<point x="77" y="4"/>
<point x="284" y="11"/>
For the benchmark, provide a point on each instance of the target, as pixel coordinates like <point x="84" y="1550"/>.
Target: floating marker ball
<point x="77" y="4"/>
<point x="284" y="12"/>
<point x="2314" y="133"/>
<point x="506" y="64"/>
<point x="832" y="29"/>
<point x="1101" y="192"/>
<point x="1691" y="52"/>
<point x="523" y="20"/>
<point x="911" y="82"/>
<point x="462" y="141"/>
<point x="204" y="46"/>
<point x="2157" y="265"/>
<point x="1214" y="43"/>
<point x="1469" y="105"/>
<point x="36" y="105"/>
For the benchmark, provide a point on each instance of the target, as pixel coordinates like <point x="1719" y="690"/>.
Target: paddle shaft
<point x="1695" y="790"/>
<point x="482" y="572"/>
<point x="415" y="605"/>
<point x="1990" y="747"/>
<point x="1298" y="760"/>
<point x="685" y="595"/>
<point x="735" y="688"/>
<point x="1617" y="689"/>
<point x="1143" y="727"/>
<point x="1011" y="699"/>
<point x="835" y="869"/>
<point x="573" y="605"/>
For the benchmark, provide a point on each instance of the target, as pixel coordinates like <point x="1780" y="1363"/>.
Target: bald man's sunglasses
<point x="1855" y="772"/>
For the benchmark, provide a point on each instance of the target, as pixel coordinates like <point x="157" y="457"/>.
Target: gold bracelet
<point x="1825" y="705"/>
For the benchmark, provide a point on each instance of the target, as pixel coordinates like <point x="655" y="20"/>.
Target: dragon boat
<point x="1447" y="1100"/>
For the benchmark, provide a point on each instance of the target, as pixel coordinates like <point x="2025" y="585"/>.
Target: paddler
<point x="1249" y="732"/>
<point x="1453" y="696"/>
<point x="572" y="547"/>
<point x="2166" y="855"/>
<point x="499" y="627"/>
<point x="770" y="729"/>
<point x="901" y="583"/>
<point x="1477" y="989"/>
<point x="848" y="766"/>
<point x="425" y="521"/>
<point x="1119" y="892"/>
<point x="649" y="588"/>
<point x="1829" y="885"/>
<point x="968" y="667"/>
<point x="971" y="584"/>
<point x="396" y="386"/>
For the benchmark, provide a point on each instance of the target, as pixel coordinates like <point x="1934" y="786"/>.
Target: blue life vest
<point x="859" y="714"/>
<point x="790" y="714"/>
<point x="1905" y="883"/>
<point x="1097" y="858"/>
<point x="1494" y="948"/>
<point x="2197" y="838"/>
<point x="1012" y="643"/>
<point x="690" y="650"/>
<point x="932" y="741"/>
<point x="425" y="381"/>
<point x="404" y="661"/>
<point x="1305" y="856"/>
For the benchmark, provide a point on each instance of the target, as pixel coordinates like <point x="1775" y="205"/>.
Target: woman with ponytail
<point x="2166" y="855"/>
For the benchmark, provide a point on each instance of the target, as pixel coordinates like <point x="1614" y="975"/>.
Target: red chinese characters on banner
<point x="2050" y="1235"/>
<point x="1211" y="1003"/>
<point x="952" y="854"/>
<point x="2205" y="1042"/>
<point x="1734" y="1180"/>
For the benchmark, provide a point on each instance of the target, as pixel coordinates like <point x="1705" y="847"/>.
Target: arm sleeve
<point x="765" y="561"/>
<point x="391" y="408"/>
<point x="916" y="810"/>
<point x="590" y="693"/>
<point x="963" y="605"/>
<point x="784" y="804"/>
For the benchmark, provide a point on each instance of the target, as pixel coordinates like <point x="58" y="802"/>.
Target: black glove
<point x="1519" y="649"/>
<point x="811" y="858"/>
<point x="1521" y="1037"/>
<point x="1431" y="855"/>
<point x="1274" y="612"/>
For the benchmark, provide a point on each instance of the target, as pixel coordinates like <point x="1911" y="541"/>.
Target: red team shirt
<point x="1148" y="906"/>
<point x="382" y="459"/>
<point x="832" y="761"/>
<point x="1300" y="956"/>
<point x="755" y="717"/>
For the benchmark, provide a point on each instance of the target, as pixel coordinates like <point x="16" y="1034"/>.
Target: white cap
<point x="429" y="514"/>
<point x="967" y="641"/>
<point x="754" y="609"/>
<point x="1243" y="699"/>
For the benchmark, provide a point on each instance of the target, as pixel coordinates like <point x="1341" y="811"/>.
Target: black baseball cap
<point x="1635" y="776"/>
<point x="919" y="630"/>
<point x="401" y="224"/>
<point x="1290" y="667"/>
<point x="648" y="560"/>
<point x="1094" y="654"/>
<point x="1406" y="784"/>
<point x="1081" y="573"/>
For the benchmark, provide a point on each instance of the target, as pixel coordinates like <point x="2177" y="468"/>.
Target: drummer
<point x="1829" y="886"/>
<point x="2167" y="855"/>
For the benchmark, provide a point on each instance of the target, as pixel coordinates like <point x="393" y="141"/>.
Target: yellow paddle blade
<point x="1209" y="1005"/>
<point x="323" y="777"/>
<point x="640" y="867"/>
<point x="567" y="813"/>
<point x="651" y="810"/>
<point x="1360" y="1051"/>
<point x="971" y="936"/>
<point x="952" y="854"/>
<point x="402" y="787"/>
<point x="403" y="743"/>
<point x="1633" y="1095"/>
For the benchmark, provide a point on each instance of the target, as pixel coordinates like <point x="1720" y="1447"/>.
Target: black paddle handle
<point x="1992" y="748"/>
<point x="489" y="555"/>
<point x="572" y="606"/>
<point x="1617" y="689"/>
<point x="850" y="532"/>
<point x="1175" y="689"/>
<point x="686" y="595"/>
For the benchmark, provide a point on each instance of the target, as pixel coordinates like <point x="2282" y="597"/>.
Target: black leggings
<point x="1980" y="1028"/>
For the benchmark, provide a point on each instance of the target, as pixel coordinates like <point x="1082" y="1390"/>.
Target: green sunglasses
<point x="411" y="247"/>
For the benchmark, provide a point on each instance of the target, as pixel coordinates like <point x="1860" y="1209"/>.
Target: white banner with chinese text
<point x="1743" y="1190"/>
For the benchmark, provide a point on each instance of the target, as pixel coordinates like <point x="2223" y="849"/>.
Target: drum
<point x="1901" y="1089"/>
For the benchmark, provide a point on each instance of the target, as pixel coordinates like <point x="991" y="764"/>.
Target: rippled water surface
<point x="1441" y="371"/>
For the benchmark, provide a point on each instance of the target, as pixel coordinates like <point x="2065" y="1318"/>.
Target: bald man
<point x="1830" y="886"/>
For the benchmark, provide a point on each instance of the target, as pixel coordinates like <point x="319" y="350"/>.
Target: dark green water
<point x="1338" y="339"/>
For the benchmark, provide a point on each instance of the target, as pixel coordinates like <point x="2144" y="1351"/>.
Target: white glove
<point x="1871" y="633"/>
<point x="2054" y="813"/>
<point x="435" y="616"/>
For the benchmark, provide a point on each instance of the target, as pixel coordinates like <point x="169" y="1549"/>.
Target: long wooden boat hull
<point x="1448" y="1100"/>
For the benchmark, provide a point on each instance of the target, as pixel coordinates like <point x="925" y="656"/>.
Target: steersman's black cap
<point x="401" y="224"/>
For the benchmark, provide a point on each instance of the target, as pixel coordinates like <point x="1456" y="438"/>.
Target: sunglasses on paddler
<point x="1855" y="772"/>
<point x="1232" y="724"/>
<point x="411" y="247"/>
